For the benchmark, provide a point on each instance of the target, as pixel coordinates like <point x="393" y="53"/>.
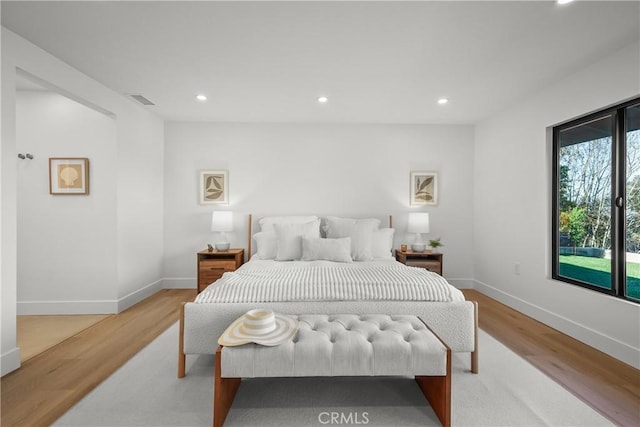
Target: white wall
<point x="140" y="169"/>
<point x="512" y="203"/>
<point x="358" y="170"/>
<point x="66" y="244"/>
<point x="139" y="161"/>
<point x="9" y="353"/>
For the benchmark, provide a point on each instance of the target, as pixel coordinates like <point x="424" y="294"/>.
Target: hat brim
<point x="286" y="329"/>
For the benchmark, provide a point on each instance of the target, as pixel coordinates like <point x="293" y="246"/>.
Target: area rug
<point x="508" y="391"/>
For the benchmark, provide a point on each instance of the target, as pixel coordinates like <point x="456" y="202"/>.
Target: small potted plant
<point x="435" y="244"/>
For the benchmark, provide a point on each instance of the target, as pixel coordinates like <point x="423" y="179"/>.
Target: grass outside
<point x="597" y="271"/>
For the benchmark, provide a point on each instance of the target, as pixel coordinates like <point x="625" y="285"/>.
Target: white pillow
<point x="315" y="248"/>
<point x="382" y="243"/>
<point x="360" y="231"/>
<point x="267" y="244"/>
<point x="266" y="223"/>
<point x="289" y="238"/>
<point x="337" y="227"/>
<point x="361" y="237"/>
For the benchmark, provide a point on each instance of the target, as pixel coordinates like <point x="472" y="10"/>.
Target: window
<point x="596" y="201"/>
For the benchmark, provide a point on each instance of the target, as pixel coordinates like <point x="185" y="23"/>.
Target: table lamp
<point x="222" y="221"/>
<point x="418" y="223"/>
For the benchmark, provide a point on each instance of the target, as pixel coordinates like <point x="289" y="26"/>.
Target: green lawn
<point x="597" y="271"/>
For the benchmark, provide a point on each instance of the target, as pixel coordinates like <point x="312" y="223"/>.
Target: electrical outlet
<point x="517" y="268"/>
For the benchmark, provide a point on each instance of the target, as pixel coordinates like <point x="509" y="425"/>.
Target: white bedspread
<point x="271" y="281"/>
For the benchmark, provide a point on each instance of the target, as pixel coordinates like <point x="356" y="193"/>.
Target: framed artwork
<point x="68" y="175"/>
<point x="214" y="187"/>
<point x="424" y="188"/>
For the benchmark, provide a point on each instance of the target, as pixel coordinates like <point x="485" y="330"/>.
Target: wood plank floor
<point x="48" y="384"/>
<point x="39" y="333"/>
<point x="609" y="386"/>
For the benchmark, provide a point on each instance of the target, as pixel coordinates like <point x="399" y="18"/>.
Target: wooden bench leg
<point x="474" y="353"/>
<point x="224" y="391"/>
<point x="182" y="358"/>
<point x="182" y="361"/>
<point x="437" y="390"/>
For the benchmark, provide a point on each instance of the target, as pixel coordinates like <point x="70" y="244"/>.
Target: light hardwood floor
<point x="39" y="333"/>
<point x="609" y="386"/>
<point x="48" y="384"/>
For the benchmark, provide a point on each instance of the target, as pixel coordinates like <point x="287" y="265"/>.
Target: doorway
<point x="63" y="241"/>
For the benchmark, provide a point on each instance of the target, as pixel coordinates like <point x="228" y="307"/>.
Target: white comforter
<point x="271" y="281"/>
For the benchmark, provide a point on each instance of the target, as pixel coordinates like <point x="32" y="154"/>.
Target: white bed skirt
<point x="453" y="322"/>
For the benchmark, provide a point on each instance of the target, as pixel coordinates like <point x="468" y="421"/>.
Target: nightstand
<point x="212" y="265"/>
<point x="429" y="260"/>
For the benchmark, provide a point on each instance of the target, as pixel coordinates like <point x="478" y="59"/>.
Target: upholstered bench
<point x="343" y="345"/>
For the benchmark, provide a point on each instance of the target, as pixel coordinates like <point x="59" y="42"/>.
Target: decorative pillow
<point x="337" y="227"/>
<point x="360" y="231"/>
<point x="267" y="244"/>
<point x="315" y="248"/>
<point x="289" y="238"/>
<point x="266" y="223"/>
<point x="382" y="243"/>
<point x="361" y="237"/>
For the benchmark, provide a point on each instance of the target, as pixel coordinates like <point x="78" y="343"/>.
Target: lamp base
<point x="418" y="247"/>
<point x="222" y="246"/>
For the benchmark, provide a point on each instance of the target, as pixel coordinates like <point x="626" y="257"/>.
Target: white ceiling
<point x="378" y="62"/>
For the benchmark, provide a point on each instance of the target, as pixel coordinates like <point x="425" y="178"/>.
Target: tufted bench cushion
<point x="343" y="345"/>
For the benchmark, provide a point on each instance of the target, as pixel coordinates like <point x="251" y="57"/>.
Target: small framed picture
<point x="214" y="187"/>
<point x="424" y="188"/>
<point x="68" y="175"/>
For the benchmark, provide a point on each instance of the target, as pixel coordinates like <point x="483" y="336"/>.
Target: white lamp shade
<point x="418" y="222"/>
<point x="222" y="221"/>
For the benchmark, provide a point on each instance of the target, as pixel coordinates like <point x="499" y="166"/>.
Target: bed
<point x="297" y="270"/>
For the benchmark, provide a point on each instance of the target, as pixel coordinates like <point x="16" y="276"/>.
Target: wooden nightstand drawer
<point x="428" y="260"/>
<point x="215" y="264"/>
<point x="213" y="270"/>
<point x="208" y="277"/>
<point x="212" y="265"/>
<point x="429" y="265"/>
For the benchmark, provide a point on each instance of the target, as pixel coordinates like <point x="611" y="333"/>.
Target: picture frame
<point x="68" y="175"/>
<point x="424" y="188"/>
<point x="214" y="187"/>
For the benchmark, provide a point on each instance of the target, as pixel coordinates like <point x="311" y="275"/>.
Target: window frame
<point x="618" y="191"/>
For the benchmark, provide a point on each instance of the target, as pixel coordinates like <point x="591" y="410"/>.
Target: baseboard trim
<point x="66" y="307"/>
<point x="462" y="283"/>
<point x="179" y="283"/>
<point x="614" y="348"/>
<point x="43" y="308"/>
<point x="9" y="361"/>
<point x="139" y="295"/>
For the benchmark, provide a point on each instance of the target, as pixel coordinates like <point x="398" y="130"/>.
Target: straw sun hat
<point x="260" y="326"/>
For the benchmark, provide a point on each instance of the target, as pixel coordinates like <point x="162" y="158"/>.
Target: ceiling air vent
<point x="142" y="100"/>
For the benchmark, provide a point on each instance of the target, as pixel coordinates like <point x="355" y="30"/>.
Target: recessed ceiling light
<point x="201" y="97"/>
<point x="323" y="99"/>
<point x="443" y="101"/>
<point x="564" y="1"/>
